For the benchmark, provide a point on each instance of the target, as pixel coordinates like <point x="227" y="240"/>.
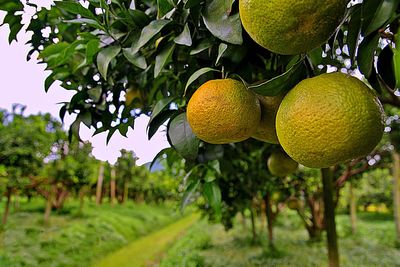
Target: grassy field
<point x="210" y="246"/>
<point x="147" y="250"/>
<point x="76" y="240"/>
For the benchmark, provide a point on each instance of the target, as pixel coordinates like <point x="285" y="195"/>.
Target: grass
<point x="147" y="249"/>
<point x="186" y="251"/>
<point x="373" y="245"/>
<point x="75" y="240"/>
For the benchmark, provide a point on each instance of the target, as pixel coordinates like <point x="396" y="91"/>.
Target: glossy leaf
<point x="384" y="13"/>
<point x="221" y="50"/>
<point x="366" y="54"/>
<point x="212" y="193"/>
<point x="136" y="59"/>
<point x="396" y="60"/>
<point x="354" y="33"/>
<point x="104" y="58"/>
<point x="283" y="82"/>
<point x="162" y="58"/>
<point x="184" y="38"/>
<point x="148" y="33"/>
<point x="182" y="138"/>
<point x="220" y="24"/>
<point x="197" y="74"/>
<point x="75" y="8"/>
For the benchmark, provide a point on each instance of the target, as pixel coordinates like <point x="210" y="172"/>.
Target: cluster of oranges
<point x="322" y="121"/>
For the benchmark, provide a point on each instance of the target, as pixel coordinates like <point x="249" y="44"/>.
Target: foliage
<point x="24" y="145"/>
<point x="167" y="48"/>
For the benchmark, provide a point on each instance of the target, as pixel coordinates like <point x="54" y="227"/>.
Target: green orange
<point x="266" y="130"/>
<point x="329" y="119"/>
<point x="291" y="26"/>
<point x="280" y="164"/>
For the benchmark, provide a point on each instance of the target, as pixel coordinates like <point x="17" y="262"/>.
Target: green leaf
<point x="184" y="38"/>
<point x="354" y="33"/>
<point x="163" y="7"/>
<point x="283" y="82"/>
<point x="197" y="74"/>
<point x="53" y="49"/>
<point x="11" y="6"/>
<point x="148" y="33"/>
<point x="220" y="24"/>
<point x="92" y="48"/>
<point x="189" y="192"/>
<point x="76" y="8"/>
<point x="159" y="107"/>
<point x="86" y="118"/>
<point x="385" y="11"/>
<point x="135" y="59"/>
<point x="221" y="50"/>
<point x="14" y="22"/>
<point x="182" y="138"/>
<point x="385" y="67"/>
<point x="162" y="58"/>
<point x="191" y="3"/>
<point x="90" y="22"/>
<point x="212" y="193"/>
<point x="104" y="58"/>
<point x="396" y="59"/>
<point x="366" y="54"/>
<point x="159" y="120"/>
<point x="204" y="45"/>
<point x="95" y="93"/>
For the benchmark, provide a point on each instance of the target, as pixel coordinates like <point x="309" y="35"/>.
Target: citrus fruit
<point x="266" y="130"/>
<point x="223" y="111"/>
<point x="280" y="164"/>
<point x="329" y="119"/>
<point x="292" y="26"/>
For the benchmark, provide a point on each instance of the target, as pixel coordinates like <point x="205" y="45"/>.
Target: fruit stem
<point x="329" y="212"/>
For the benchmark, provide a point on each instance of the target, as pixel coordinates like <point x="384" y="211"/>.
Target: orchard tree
<point x="125" y="172"/>
<point x="158" y="52"/>
<point x="25" y="143"/>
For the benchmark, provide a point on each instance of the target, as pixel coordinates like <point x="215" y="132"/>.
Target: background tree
<point x="24" y="145"/>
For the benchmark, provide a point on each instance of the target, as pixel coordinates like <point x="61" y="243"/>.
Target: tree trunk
<point x="7" y="207"/>
<point x="243" y="220"/>
<point x="82" y="193"/>
<point x="126" y="192"/>
<point x="49" y="205"/>
<point x="16" y="202"/>
<point x="329" y="212"/>
<point x="353" y="209"/>
<point x="270" y="219"/>
<point x="253" y="225"/>
<point x="112" y="187"/>
<point x="396" y="193"/>
<point x="100" y="184"/>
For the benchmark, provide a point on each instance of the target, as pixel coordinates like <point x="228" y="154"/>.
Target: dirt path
<point x="146" y="249"/>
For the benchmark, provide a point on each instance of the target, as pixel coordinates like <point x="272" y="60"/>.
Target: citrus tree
<point x="124" y="58"/>
<point x="25" y="143"/>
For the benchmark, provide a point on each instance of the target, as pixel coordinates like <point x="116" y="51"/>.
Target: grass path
<point x="145" y="250"/>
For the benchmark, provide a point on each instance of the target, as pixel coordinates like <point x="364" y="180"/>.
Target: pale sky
<point x="23" y="82"/>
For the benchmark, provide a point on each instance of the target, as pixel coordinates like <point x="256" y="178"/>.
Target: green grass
<point x="73" y="240"/>
<point x="373" y="245"/>
<point x="146" y="250"/>
<point x="186" y="251"/>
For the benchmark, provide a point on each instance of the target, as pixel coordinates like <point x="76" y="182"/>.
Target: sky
<point x="22" y="82"/>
